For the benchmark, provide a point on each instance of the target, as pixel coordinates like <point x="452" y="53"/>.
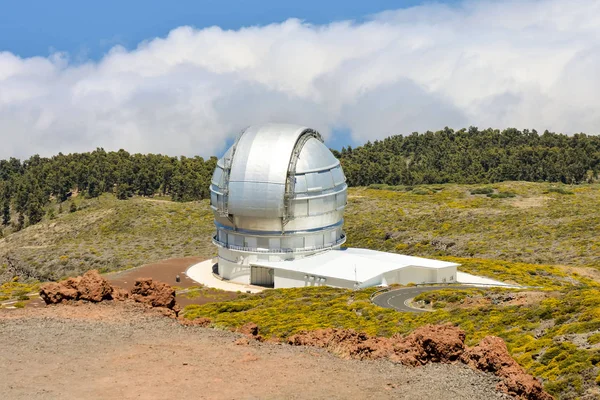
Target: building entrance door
<point x="261" y="276"/>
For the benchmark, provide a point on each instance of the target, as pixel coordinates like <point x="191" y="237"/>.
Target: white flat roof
<point x="353" y="264"/>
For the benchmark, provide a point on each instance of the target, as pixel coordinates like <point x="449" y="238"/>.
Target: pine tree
<point x="6" y="213"/>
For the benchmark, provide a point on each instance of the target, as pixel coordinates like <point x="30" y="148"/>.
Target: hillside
<point x="518" y="221"/>
<point x="109" y="234"/>
<point x="540" y="225"/>
<point x="530" y="233"/>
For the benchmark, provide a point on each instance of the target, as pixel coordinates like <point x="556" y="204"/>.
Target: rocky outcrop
<point x="250" y="330"/>
<point x="491" y="355"/>
<point x="90" y="287"/>
<point x="430" y="343"/>
<point x="346" y="343"/>
<point x="155" y="294"/>
<point x="94" y="288"/>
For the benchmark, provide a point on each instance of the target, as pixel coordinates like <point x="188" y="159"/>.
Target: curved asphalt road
<point x="398" y="298"/>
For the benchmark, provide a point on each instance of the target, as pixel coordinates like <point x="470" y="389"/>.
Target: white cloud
<point x="528" y="64"/>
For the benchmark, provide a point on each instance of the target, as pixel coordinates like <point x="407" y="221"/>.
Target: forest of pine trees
<point x="447" y="156"/>
<point x="473" y="156"/>
<point x="25" y="187"/>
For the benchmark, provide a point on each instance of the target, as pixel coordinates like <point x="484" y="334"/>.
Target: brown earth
<point x="122" y="350"/>
<point x="166" y="271"/>
<point x="163" y="271"/>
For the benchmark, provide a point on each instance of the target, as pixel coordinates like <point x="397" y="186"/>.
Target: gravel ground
<point x="119" y="351"/>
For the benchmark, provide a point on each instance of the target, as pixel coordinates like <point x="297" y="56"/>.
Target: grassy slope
<point x="535" y="226"/>
<point x="108" y="234"/>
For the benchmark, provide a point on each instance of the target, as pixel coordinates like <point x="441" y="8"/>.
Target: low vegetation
<point x="536" y="226"/>
<point x="108" y="235"/>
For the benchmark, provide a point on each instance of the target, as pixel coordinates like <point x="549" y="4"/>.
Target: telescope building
<point x="278" y="196"/>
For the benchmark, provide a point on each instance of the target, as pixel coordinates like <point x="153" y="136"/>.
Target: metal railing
<point x="217" y="242"/>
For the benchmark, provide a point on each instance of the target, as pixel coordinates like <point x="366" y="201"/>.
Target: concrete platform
<point x="203" y="273"/>
<point x="474" y="280"/>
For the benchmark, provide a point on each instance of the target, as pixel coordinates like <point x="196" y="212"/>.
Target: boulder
<point x="54" y="293"/>
<point x="430" y="343"/>
<point x="91" y="287"/>
<point x="154" y="294"/>
<point x="491" y="355"/>
<point x="251" y="331"/>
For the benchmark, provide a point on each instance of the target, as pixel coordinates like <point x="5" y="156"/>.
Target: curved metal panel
<point x="259" y="170"/>
<point x="315" y="156"/>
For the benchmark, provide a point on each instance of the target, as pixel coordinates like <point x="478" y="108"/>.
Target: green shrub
<point x="421" y="191"/>
<point x="482" y="190"/>
<point x="501" y="195"/>
<point x="594" y="339"/>
<point x="560" y="190"/>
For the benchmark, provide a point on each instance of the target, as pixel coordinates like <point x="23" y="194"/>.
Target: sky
<point x="184" y="77"/>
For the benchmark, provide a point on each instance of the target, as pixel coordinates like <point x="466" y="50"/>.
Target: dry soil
<point x="121" y="351"/>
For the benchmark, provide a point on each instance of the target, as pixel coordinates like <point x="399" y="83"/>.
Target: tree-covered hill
<point x="473" y="156"/>
<point x="26" y="187"/>
<point x="447" y="156"/>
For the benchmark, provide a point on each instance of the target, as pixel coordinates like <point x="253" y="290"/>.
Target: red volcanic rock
<point x="491" y="355"/>
<point x="430" y="343"/>
<point x="155" y="294"/>
<point x="54" y="293"/>
<point x="91" y="287"/>
<point x="119" y="294"/>
<point x="251" y="331"/>
<point x="346" y="343"/>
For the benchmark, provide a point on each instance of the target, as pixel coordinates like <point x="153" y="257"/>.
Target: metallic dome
<point x="278" y="193"/>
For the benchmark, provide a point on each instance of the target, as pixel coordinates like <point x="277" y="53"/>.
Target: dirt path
<point x="164" y="271"/>
<point x="108" y="351"/>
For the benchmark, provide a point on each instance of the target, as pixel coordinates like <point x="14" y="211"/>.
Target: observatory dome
<point x="277" y="194"/>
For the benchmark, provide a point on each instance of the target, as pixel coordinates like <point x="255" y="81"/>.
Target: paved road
<point x="398" y="298"/>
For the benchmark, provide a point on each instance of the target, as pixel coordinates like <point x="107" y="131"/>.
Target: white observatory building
<point x="278" y="196"/>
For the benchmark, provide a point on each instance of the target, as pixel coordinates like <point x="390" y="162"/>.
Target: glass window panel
<point x="263" y="243"/>
<point x="298" y="242"/>
<point x="250" y="241"/>
<point x="239" y="240"/>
